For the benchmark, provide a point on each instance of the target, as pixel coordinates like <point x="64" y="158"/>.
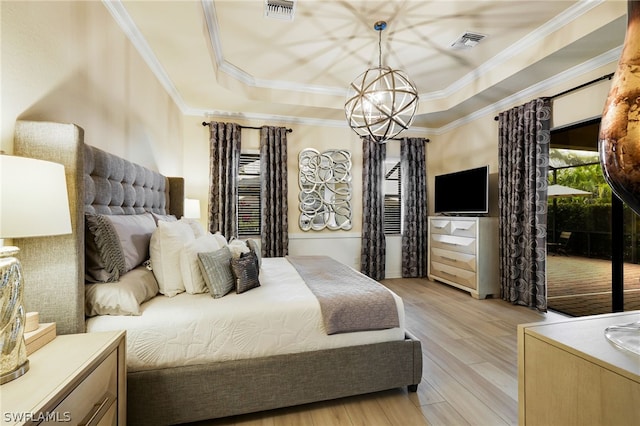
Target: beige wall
<point x="70" y="62"/>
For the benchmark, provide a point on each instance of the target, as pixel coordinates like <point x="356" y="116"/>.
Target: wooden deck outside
<point x="582" y="286"/>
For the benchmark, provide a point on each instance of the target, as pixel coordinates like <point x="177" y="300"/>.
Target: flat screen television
<point x="465" y="192"/>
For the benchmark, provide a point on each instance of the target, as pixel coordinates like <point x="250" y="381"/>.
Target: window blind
<point x="392" y="200"/>
<point x="249" y="221"/>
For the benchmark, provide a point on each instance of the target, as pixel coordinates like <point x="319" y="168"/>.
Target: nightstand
<point x="570" y="374"/>
<point x="74" y="379"/>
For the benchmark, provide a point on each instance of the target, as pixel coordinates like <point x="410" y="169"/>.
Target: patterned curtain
<point x="523" y="146"/>
<point x="224" y="163"/>
<point x="273" y="173"/>
<point x="373" y="242"/>
<point x="414" y="202"/>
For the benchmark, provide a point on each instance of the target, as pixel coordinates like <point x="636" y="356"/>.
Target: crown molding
<point x="515" y="49"/>
<point x="557" y="22"/>
<point x="530" y="92"/>
<point x="122" y="18"/>
<point x="126" y="24"/>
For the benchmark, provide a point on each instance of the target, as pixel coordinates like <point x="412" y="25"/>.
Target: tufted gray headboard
<point x="113" y="185"/>
<point x="97" y="182"/>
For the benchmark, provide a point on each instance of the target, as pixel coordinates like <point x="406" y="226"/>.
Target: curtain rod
<point x="400" y="139"/>
<point x="204" y="123"/>
<point x="588" y="83"/>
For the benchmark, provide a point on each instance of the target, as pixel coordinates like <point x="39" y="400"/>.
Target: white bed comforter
<point x="279" y="317"/>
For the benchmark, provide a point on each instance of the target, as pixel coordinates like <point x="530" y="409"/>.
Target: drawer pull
<point x="451" y="244"/>
<point x="450" y="259"/>
<point x="98" y="411"/>
<point x="450" y="274"/>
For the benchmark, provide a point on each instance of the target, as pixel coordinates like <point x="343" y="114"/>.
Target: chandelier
<point x="381" y="101"/>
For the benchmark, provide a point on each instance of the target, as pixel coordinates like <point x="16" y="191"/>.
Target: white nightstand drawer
<point x="98" y="390"/>
<point x="452" y="258"/>
<point x="454" y="243"/>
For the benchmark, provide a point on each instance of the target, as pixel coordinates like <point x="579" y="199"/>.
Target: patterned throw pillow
<point x="104" y="259"/>
<point x="216" y="271"/>
<point x="245" y="271"/>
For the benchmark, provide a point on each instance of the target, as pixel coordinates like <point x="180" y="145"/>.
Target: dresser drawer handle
<point x="450" y="274"/>
<point x="451" y="244"/>
<point x="98" y="411"/>
<point x="450" y="259"/>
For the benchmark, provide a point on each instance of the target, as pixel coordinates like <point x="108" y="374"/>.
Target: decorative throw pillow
<point x="167" y="242"/>
<point x="216" y="270"/>
<point x="134" y="232"/>
<point x="245" y="272"/>
<point x="115" y="244"/>
<point x="104" y="259"/>
<point x="255" y="248"/>
<point x="190" y="266"/>
<point x="123" y="297"/>
<point x="196" y="226"/>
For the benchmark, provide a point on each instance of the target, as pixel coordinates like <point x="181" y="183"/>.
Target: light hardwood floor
<point x="469" y="376"/>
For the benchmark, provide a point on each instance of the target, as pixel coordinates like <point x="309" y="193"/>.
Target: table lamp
<point x="191" y="208"/>
<point x="33" y="203"/>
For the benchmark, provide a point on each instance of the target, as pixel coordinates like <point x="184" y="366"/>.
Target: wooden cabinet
<point x="74" y="379"/>
<point x="570" y="374"/>
<point x="463" y="252"/>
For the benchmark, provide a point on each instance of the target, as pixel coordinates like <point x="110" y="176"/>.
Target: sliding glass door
<point x="593" y="244"/>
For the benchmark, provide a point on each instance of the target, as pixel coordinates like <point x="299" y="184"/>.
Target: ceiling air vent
<point x="467" y="40"/>
<point x="279" y="9"/>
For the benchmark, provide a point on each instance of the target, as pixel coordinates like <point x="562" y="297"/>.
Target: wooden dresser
<point x="570" y="374"/>
<point x="77" y="379"/>
<point x="463" y="252"/>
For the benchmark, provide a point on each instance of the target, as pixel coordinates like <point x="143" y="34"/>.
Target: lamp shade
<point x="33" y="198"/>
<point x="191" y="208"/>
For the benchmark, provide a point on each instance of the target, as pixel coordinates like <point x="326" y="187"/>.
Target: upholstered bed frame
<point x="54" y="286"/>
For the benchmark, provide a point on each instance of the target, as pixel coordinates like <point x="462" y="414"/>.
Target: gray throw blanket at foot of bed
<point x="349" y="300"/>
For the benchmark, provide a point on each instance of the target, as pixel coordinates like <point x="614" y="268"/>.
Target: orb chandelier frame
<point x="381" y="102"/>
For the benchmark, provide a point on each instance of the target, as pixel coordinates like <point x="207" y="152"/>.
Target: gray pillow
<point x="216" y="270"/>
<point x="255" y="247"/>
<point x="134" y="233"/>
<point x="115" y="244"/>
<point x="245" y="271"/>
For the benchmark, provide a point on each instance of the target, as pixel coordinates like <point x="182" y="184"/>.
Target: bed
<point x="226" y="379"/>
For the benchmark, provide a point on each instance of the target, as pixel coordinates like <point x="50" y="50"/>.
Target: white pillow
<point x="123" y="297"/>
<point x="166" y="244"/>
<point x="191" y="275"/>
<point x="238" y="247"/>
<point x="196" y="226"/>
<point x="221" y="239"/>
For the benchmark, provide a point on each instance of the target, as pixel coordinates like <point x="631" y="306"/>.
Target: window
<point x="249" y="195"/>
<point x="392" y="201"/>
